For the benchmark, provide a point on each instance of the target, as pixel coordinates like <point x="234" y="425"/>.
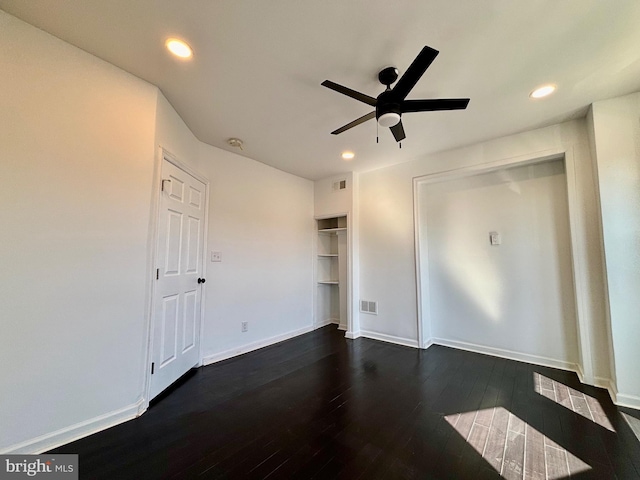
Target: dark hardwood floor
<point x="319" y="406"/>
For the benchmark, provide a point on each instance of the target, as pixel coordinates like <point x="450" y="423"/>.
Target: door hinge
<point x="162" y="184"/>
<point x="157" y="274"/>
<point x="152" y="367"/>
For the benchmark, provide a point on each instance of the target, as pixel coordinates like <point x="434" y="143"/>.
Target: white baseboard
<point x="351" y="334"/>
<point x="609" y="385"/>
<point x="328" y="321"/>
<point x="508" y="354"/>
<point x="631" y="401"/>
<point x="342" y="327"/>
<point x="74" y="432"/>
<point x="407" y="342"/>
<point x="600" y="382"/>
<point x="218" y="357"/>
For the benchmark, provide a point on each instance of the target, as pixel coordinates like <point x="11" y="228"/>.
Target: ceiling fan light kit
<point x="391" y="104"/>
<point x="388" y="119"/>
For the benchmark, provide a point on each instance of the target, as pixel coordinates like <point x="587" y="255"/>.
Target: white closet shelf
<point x="331" y="230"/>
<point x="327" y="254"/>
<point x="328" y="282"/>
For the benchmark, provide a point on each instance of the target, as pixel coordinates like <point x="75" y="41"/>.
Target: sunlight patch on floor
<point x="582" y="404"/>
<point x="634" y="423"/>
<point x="514" y="448"/>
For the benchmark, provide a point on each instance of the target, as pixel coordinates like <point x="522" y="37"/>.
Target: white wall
<point x="261" y="219"/>
<point x="387" y="254"/>
<point x="515" y="296"/>
<point x="79" y="141"/>
<point x="328" y="201"/>
<point x="76" y="142"/>
<point x="173" y="135"/>
<point x="615" y="132"/>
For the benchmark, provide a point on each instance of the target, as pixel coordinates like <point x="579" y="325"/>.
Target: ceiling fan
<point x="391" y="104"/>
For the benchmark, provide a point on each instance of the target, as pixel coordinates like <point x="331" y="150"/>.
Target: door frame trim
<point x="162" y="155"/>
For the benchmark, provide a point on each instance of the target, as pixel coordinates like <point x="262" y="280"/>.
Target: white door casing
<point x="178" y="289"/>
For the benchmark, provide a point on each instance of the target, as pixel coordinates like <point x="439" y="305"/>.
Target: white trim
<point x="630" y="401"/>
<point x="482" y="168"/>
<point x="354" y="254"/>
<point x="580" y="289"/>
<point x="593" y="156"/>
<point x="152" y="249"/>
<point x="609" y="385"/>
<point x="74" y="432"/>
<point x="508" y="354"/>
<point x="250" y="347"/>
<point x="423" y="292"/>
<point x="580" y="374"/>
<point x="599" y="382"/>
<point x="406" y="342"/>
<point x="351" y="335"/>
<point x="324" y="323"/>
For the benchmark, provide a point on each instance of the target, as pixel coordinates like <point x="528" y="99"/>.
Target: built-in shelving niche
<point x="331" y="271"/>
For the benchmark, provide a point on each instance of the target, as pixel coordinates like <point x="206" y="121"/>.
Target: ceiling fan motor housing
<point x="388" y="103"/>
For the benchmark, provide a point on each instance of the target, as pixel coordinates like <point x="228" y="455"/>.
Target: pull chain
<point x="377" y="131"/>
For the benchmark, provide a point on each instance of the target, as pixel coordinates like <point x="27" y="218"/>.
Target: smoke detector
<point x="235" y="142"/>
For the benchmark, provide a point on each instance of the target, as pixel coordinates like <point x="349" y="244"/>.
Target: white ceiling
<point x="258" y="66"/>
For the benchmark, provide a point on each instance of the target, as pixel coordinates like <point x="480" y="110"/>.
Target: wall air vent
<point x="339" y="185"/>
<point x="369" y="307"/>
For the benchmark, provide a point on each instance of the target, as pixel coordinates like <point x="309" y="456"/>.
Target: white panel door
<point x="179" y="279"/>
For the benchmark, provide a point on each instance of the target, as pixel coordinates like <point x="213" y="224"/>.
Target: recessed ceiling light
<point x="543" y="91"/>
<point x="348" y="155"/>
<point x="179" y="48"/>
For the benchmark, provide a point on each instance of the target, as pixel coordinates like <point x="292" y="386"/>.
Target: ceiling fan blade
<point x="398" y="131"/>
<point x="414" y="72"/>
<point x="358" y="121"/>
<point x="434" y="104"/>
<point x="350" y="93"/>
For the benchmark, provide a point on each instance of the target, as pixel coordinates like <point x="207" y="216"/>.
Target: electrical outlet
<point x="216" y="256"/>
<point x="244" y="326"/>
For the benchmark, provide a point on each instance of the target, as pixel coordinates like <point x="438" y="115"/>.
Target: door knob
<point x="201" y="280"/>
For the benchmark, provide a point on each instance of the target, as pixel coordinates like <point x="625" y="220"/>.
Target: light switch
<point x="216" y="256"/>
<point x="494" y="238"/>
